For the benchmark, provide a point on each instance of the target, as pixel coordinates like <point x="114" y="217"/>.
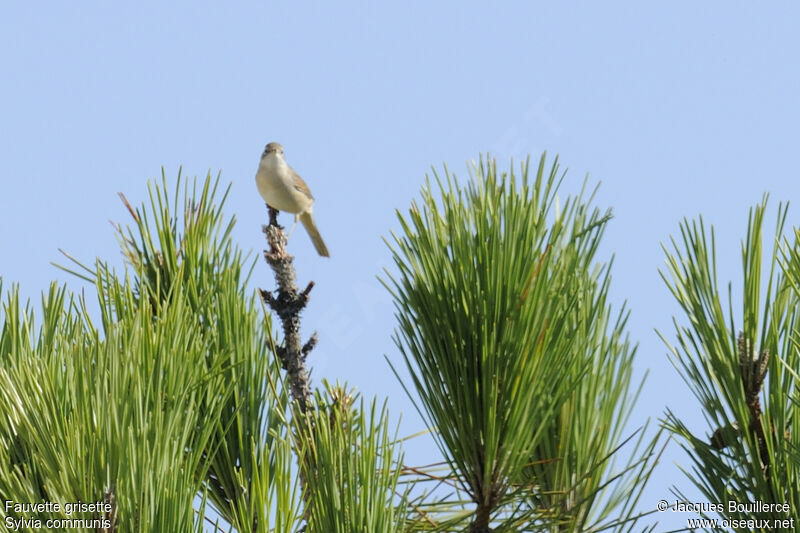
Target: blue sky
<point x="678" y="109"/>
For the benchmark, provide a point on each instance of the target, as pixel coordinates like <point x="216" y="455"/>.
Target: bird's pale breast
<point x="276" y="185"/>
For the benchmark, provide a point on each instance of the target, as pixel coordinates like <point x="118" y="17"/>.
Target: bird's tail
<point x="313" y="232"/>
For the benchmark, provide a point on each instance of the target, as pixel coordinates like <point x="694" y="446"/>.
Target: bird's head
<point x="273" y="148"/>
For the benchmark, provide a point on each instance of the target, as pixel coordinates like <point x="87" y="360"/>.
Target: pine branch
<point x="288" y="305"/>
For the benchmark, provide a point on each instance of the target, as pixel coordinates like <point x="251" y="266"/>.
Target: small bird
<point x="282" y="188"/>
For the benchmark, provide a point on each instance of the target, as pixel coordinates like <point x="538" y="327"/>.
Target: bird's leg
<point x="296" y="218"/>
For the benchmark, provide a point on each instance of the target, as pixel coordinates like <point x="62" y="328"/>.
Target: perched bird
<point x="282" y="188"/>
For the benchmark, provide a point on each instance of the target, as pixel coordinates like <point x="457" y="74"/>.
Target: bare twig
<point x="287" y="304"/>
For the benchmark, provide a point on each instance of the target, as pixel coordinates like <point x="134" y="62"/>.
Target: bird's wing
<point x="300" y="185"/>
